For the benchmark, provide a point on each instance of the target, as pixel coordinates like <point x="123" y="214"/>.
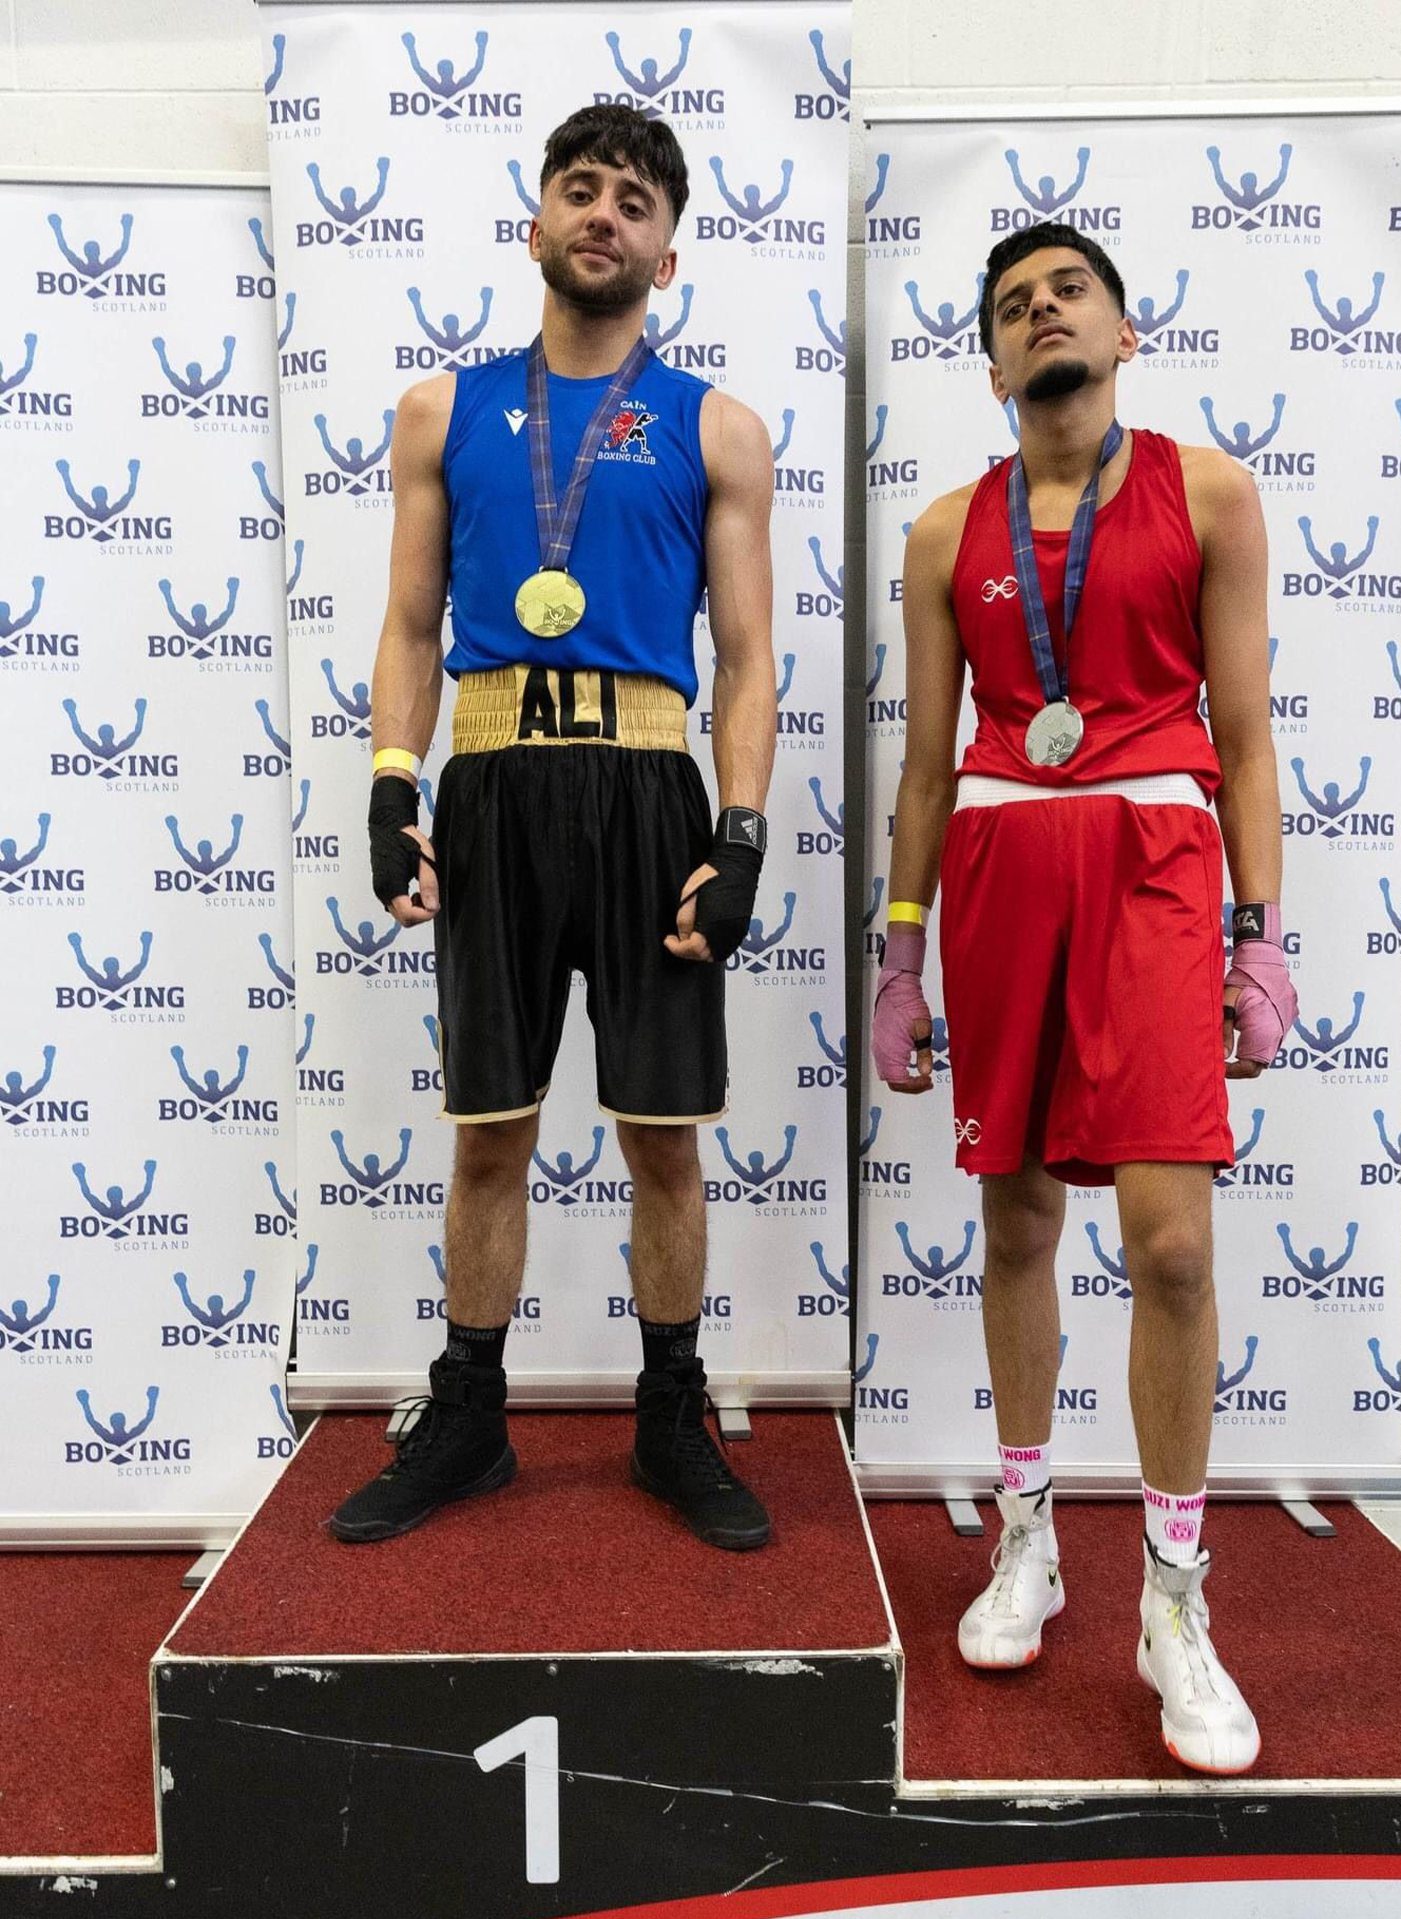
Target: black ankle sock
<point x="668" y="1348"/>
<point x="478" y="1345"/>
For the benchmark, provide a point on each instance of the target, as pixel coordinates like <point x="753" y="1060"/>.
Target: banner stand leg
<point x="734" y="1422"/>
<point x="203" y="1569"/>
<point x="1310" y="1518"/>
<point x="963" y="1517"/>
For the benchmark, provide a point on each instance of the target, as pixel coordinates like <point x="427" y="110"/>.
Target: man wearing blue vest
<point x="576" y="501"/>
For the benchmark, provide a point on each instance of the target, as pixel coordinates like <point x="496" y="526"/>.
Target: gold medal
<point x="550" y="603"/>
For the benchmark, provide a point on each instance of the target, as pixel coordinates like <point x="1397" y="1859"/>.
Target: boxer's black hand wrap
<point x="394" y="856"/>
<point x="725" y="905"/>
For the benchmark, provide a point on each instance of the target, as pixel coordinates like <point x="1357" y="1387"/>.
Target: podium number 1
<point x="537" y="1742"/>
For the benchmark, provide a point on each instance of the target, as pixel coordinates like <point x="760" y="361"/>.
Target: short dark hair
<point x="620" y="137"/>
<point x="1050" y="233"/>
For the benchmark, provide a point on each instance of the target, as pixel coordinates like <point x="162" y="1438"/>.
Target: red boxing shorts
<point x="1083" y="960"/>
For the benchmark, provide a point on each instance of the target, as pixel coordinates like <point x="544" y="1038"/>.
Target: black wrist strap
<point x="742" y="826"/>
<point x="1248" y="922"/>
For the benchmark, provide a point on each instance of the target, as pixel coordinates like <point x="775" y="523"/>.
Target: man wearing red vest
<point x="1091" y="584"/>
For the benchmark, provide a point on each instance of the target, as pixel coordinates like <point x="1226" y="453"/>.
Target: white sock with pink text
<point x="1024" y="1469"/>
<point x="1173" y="1524"/>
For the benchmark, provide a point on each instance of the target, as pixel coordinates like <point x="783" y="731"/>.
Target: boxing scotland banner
<point x="146" y="1035"/>
<point x="405" y="148"/>
<point x="1260" y="255"/>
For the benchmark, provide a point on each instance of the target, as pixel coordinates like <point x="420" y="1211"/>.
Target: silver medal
<point x="1054" y="735"/>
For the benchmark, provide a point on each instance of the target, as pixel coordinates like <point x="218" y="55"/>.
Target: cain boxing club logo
<point x="110" y="758"/>
<point x="37" y="1335"/>
<point x="441" y="87"/>
<point x="1108" y="1277"/>
<point x="795" y="485"/>
<point x="835" y="1299"/>
<point x="879" y="1400"/>
<point x="673" y="344"/>
<point x="371" y="956"/>
<point x="831" y="1072"/>
<point x="883" y="1174"/>
<point x="27" y="1105"/>
<point x="279" y="1221"/>
<point x="199" y="393"/>
<point x="762" y="218"/>
<point x="207" y="872"/>
<point x="828" y="838"/>
<point x="1258" y="208"/>
<point x="25" y="882"/>
<point x="1278" y="468"/>
<point x="1254" y="1175"/>
<point x="217" y="1101"/>
<point x="320" y="1082"/>
<point x="826" y="601"/>
<point x="133" y="1445"/>
<point x="946" y="1278"/>
<point x="269" y="523"/>
<point x="444" y="344"/>
<point x="31" y="406"/>
<point x="656" y="90"/>
<point x="1336" y="817"/>
<point x="949" y="333"/>
<point x="1169" y="339"/>
<point x="716" y="1309"/>
<point x="93" y="270"/>
<point x="1338" y="324"/>
<point x="1331" y="1050"/>
<point x="568" y="1181"/>
<point x="1383" y="1398"/>
<point x="292" y="115"/>
<point x="830" y="357"/>
<point x="102" y="517"/>
<point x="121" y="990"/>
<point x="832" y="101"/>
<point x="123" y="1218"/>
<point x="1246" y="1396"/>
<point x="374" y="1184"/>
<point x="893" y="476"/>
<point x="1074" y="1404"/>
<point x="756" y="1179"/>
<point x="1329" y="1284"/>
<point x="25" y="648"/>
<point x="1044" y="197"/>
<point x="352" y="470"/>
<point x="217" y="1322"/>
<point x="625" y="435"/>
<point x="429" y="1079"/>
<point x="351" y="219"/>
<point x="281" y="995"/>
<point x="212" y="642"/>
<point x="892" y="232"/>
<point x="328" y="1314"/>
<point x="526" y="1315"/>
<point x="763" y="955"/>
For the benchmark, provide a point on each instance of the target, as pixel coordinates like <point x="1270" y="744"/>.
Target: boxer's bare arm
<point x="934" y="663"/>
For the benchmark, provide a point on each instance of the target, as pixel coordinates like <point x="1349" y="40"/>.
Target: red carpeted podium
<point x="557" y="1702"/>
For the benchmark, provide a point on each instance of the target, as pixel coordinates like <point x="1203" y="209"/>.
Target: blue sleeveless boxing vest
<point x="639" y="550"/>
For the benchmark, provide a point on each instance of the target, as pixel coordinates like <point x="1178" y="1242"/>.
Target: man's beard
<point x="1053" y="382"/>
<point x="625" y="287"/>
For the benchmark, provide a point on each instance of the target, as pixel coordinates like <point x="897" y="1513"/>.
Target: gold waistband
<point x="562" y="706"/>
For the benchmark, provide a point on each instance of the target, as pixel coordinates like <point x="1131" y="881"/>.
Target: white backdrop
<point x="405" y="155"/>
<point x="1261" y="261"/>
<point x="145" y="1039"/>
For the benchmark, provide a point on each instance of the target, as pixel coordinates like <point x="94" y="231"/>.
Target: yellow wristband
<point x="396" y="757"/>
<point x="909" y="912"/>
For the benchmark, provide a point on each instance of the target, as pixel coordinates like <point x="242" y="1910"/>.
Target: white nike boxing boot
<point x="1002" y="1627"/>
<point x="1206" y="1723"/>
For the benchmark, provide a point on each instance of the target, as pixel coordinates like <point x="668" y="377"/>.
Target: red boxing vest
<point x="1136" y="648"/>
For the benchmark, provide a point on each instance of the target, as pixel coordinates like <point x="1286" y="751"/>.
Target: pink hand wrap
<point x="900" y="1007"/>
<point x="1268" y="1004"/>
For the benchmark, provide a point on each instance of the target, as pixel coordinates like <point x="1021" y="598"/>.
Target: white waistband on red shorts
<point x="1156" y="789"/>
